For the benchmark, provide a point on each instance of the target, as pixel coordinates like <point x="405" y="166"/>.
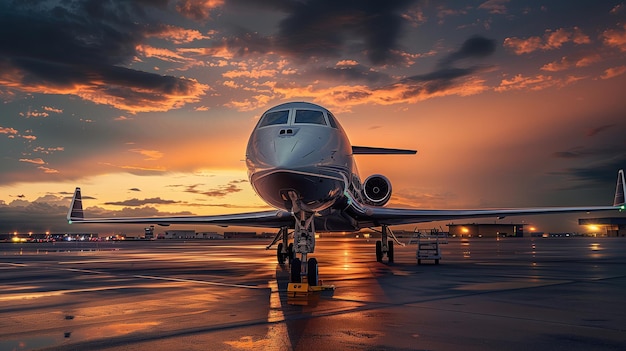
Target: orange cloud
<point x="48" y="150"/>
<point x="567" y="63"/>
<point x="9" y="131"/>
<point x="48" y="170"/>
<point x="551" y="40"/>
<point x="35" y="161"/>
<point x="151" y="155"/>
<point x="179" y="35"/>
<point x="344" y="63"/>
<point x="343" y="97"/>
<point x="197" y="9"/>
<point x="255" y="73"/>
<point x="52" y="109"/>
<point x="497" y="7"/>
<point x="615" y="38"/>
<point x="141" y="169"/>
<point x="161" y="54"/>
<point x="123" y="88"/>
<point x="519" y="82"/>
<point x="219" y="51"/>
<point x="613" y="72"/>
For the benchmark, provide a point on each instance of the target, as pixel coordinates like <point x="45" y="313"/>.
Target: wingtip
<point x="620" y="190"/>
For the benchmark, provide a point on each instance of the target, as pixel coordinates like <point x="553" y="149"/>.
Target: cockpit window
<point x="310" y="116"/>
<point x="273" y="118"/>
<point x="331" y="120"/>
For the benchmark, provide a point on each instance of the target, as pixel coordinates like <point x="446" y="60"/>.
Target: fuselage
<point x="299" y="158"/>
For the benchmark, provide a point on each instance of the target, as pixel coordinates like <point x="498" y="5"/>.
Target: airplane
<point x="300" y="162"/>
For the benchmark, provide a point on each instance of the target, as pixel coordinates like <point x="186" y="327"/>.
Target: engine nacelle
<point x="377" y="190"/>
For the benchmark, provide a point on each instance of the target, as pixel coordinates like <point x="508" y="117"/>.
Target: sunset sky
<point x="147" y="105"/>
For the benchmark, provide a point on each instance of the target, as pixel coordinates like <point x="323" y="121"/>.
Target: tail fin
<point x="620" y="189"/>
<point x="76" y="208"/>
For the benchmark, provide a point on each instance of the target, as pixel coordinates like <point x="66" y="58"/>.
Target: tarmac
<point x="486" y="294"/>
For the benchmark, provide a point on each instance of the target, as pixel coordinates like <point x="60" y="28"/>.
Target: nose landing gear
<point x="304" y="272"/>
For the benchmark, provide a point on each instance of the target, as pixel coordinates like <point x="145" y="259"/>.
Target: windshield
<point x="310" y="117"/>
<point x="273" y="118"/>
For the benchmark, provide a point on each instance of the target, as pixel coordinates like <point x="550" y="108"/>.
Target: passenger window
<point x="309" y="116"/>
<point x="331" y="120"/>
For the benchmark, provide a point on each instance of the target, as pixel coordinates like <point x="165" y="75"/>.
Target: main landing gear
<point x="384" y="246"/>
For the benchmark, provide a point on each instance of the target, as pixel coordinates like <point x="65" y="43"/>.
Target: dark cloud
<point x="134" y="189"/>
<point x="445" y="76"/>
<point x="78" y="47"/>
<point x="595" y="131"/>
<point x="40" y="216"/>
<point x="474" y="47"/>
<point x="221" y="191"/>
<point x="601" y="173"/>
<point x="137" y="202"/>
<point x="351" y="73"/>
<point x="585" y="152"/>
<point x="324" y="27"/>
<point x="35" y="217"/>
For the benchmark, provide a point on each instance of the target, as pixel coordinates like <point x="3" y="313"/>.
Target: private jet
<point x="301" y="162"/>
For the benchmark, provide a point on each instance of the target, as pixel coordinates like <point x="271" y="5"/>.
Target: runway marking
<point x="230" y="285"/>
<point x="14" y="264"/>
<point x="141" y="276"/>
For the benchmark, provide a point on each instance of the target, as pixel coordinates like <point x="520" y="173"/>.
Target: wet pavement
<point x="487" y="294"/>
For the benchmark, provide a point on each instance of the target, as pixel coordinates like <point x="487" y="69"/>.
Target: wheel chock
<point x="297" y="289"/>
<point x="303" y="289"/>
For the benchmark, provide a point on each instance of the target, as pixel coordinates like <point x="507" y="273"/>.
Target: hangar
<point x="606" y="226"/>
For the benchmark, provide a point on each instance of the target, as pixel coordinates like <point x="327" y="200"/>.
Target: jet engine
<point x="377" y="190"/>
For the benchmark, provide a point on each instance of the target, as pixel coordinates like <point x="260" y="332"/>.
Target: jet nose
<point x="291" y="151"/>
<point x="288" y="147"/>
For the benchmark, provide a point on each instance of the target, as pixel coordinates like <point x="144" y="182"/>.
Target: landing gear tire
<point x="290" y="252"/>
<point x="312" y="273"/>
<point x="296" y="269"/>
<point x="379" y="251"/>
<point x="279" y="254"/>
<point x="390" y="251"/>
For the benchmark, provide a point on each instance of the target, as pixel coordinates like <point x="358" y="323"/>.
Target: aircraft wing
<point x="367" y="150"/>
<point x="265" y="219"/>
<point x="377" y="216"/>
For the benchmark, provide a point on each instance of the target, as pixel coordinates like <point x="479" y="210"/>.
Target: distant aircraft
<point x="300" y="161"/>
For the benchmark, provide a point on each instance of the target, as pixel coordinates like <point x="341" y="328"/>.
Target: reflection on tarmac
<point x="513" y="293"/>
